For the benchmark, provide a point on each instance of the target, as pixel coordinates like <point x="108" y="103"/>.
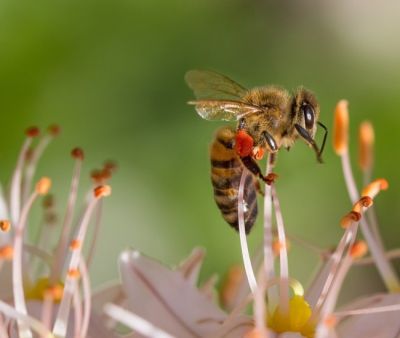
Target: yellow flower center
<point x="43" y="289"/>
<point x="295" y="320"/>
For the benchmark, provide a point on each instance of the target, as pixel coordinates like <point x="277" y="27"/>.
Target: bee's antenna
<point x="325" y="136"/>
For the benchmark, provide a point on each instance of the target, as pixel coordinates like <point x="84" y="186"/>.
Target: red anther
<point x="244" y="144"/>
<point x="271" y="178"/>
<point x="96" y="175"/>
<point x="350" y="218"/>
<point x="48" y="201"/>
<point x="54" y="129"/>
<point x="77" y="153"/>
<point x="110" y="165"/>
<point x="5" y="225"/>
<point x="32" y="132"/>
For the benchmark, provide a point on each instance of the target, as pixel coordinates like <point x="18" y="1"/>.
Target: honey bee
<point x="268" y="117"/>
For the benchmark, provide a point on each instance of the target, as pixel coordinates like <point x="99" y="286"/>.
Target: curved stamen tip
<point x="43" y="186"/>
<point x="102" y="191"/>
<point x="350" y="218"/>
<point x="358" y="249"/>
<point x="54" y="130"/>
<point x="5" y="225"/>
<point x="375" y="187"/>
<point x="77" y="153"/>
<point x="341" y="128"/>
<point x="366" y="142"/>
<point x="363" y="202"/>
<point x="32" y="132"/>
<point x="6" y="252"/>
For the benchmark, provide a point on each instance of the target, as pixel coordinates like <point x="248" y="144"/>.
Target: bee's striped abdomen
<point x="226" y="171"/>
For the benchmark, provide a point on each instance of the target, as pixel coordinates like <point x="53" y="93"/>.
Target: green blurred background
<point x="111" y="74"/>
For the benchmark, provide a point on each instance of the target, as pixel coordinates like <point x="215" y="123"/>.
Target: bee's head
<point x="305" y="110"/>
<point x="305" y="114"/>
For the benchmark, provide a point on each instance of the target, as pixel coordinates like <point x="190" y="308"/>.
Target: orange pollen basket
<point x="244" y="144"/>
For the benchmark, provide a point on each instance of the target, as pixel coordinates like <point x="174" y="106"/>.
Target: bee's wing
<point x="227" y="110"/>
<point x="211" y="85"/>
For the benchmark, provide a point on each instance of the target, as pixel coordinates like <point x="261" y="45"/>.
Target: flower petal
<point x="383" y="324"/>
<point x="166" y="299"/>
<point x="190" y="267"/>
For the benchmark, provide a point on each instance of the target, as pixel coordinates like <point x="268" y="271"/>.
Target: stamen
<point x="330" y="321"/>
<point x="75" y="244"/>
<point x="268" y="237"/>
<point x="15" y="188"/>
<point x="60" y="325"/>
<point x="254" y="333"/>
<point x="367" y="311"/>
<point x="366" y="145"/>
<point x="77" y="154"/>
<point x="349" y="219"/>
<point x="341" y="128"/>
<point x="284" y="265"/>
<point x="375" y="187"/>
<point x="242" y="234"/>
<point x="5" y="225"/>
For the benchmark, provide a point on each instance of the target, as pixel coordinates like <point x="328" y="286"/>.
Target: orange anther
<point x="363" y="202"/>
<point x="43" y="186"/>
<point x="75" y="244"/>
<point x="6" y="252"/>
<point x="5" y="225"/>
<point x="330" y="321"/>
<point x="110" y="165"/>
<point x="341" y="128"/>
<point x="358" y="249"/>
<point x="277" y="246"/>
<point x="55" y="292"/>
<point x="74" y="273"/>
<point x="102" y="191"/>
<point x="366" y="144"/>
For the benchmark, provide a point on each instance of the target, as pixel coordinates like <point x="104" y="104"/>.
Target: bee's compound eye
<point x="308" y="112"/>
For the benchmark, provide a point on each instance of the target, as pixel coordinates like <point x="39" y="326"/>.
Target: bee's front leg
<point x="253" y="167"/>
